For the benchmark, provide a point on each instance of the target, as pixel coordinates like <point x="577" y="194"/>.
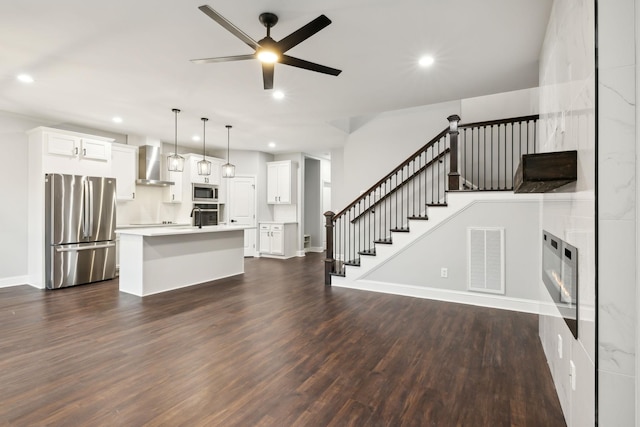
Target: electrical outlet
<point x="559" y="346"/>
<point x="572" y="375"/>
<point x="444" y="272"/>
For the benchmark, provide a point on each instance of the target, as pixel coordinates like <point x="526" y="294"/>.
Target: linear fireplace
<point x="560" y="276"/>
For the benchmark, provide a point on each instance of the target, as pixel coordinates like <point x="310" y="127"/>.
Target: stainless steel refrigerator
<point x="80" y="223"/>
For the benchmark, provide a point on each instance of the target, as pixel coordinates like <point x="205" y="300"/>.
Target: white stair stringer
<point x="456" y="203"/>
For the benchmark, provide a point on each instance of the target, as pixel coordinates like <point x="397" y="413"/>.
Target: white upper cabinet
<point x="174" y="192"/>
<point x="280" y="182"/>
<point x="124" y="165"/>
<point x="62" y="145"/>
<point x="69" y="152"/>
<point x="95" y="150"/>
<point x="77" y="147"/>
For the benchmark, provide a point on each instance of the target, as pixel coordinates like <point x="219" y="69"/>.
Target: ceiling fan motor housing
<point x="268" y="19"/>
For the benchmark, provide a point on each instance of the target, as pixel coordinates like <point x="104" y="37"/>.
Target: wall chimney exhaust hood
<point x="149" y="167"/>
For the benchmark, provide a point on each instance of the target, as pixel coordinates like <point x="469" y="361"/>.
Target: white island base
<point x="154" y="260"/>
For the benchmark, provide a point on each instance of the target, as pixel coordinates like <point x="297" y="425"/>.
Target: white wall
<point x="617" y="212"/>
<point x="567" y="88"/>
<point x="500" y="106"/>
<point x="13" y="187"/>
<point x="382" y="142"/>
<point x="446" y="246"/>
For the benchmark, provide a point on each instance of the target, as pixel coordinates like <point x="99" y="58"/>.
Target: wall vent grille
<point x="485" y="251"/>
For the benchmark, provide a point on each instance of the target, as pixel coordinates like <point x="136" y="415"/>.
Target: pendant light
<point x="228" y="170"/>
<point x="175" y="161"/>
<point x="204" y="166"/>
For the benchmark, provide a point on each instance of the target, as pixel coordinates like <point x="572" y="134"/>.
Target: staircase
<point x="415" y="196"/>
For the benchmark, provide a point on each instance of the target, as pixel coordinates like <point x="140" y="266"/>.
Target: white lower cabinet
<point x="278" y="239"/>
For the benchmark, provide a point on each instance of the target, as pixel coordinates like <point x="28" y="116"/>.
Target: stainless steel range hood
<point x="149" y="167"/>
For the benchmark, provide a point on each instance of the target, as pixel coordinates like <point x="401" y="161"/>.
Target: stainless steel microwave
<point x="204" y="193"/>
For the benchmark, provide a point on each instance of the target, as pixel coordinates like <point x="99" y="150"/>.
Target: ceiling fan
<point x="269" y="51"/>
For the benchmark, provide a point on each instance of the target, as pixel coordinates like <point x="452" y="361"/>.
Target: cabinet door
<point x="174" y="192"/>
<point x="95" y="150"/>
<point x="284" y="183"/>
<point x="272" y="183"/>
<point x="277" y="240"/>
<point x="265" y="239"/>
<point x="62" y="145"/>
<point x="124" y="162"/>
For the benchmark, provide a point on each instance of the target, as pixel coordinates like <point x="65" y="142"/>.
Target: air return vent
<point x="485" y="250"/>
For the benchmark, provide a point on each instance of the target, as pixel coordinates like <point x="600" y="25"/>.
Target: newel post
<point x="329" y="262"/>
<point x="454" y="173"/>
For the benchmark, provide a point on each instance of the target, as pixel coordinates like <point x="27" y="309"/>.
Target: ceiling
<point x="93" y="60"/>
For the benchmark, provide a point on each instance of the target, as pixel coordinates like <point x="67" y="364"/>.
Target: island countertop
<point x="182" y="229"/>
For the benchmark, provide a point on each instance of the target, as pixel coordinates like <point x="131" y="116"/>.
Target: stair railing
<point x="473" y="157"/>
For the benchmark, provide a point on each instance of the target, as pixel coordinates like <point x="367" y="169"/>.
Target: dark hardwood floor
<point x="273" y="347"/>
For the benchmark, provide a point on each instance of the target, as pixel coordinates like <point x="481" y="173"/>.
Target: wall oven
<point x="204" y="193"/>
<point x="205" y="213"/>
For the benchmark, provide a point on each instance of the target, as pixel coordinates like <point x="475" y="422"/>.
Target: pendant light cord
<point x="176" y="111"/>
<point x="204" y="136"/>
<point x="228" y="137"/>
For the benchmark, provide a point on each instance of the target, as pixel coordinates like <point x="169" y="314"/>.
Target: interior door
<point x="242" y="209"/>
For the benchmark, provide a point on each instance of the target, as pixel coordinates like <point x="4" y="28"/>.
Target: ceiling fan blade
<point x="303" y="33"/>
<point x="223" y="59"/>
<point x="267" y="75"/>
<point x="301" y="63"/>
<point x="229" y="26"/>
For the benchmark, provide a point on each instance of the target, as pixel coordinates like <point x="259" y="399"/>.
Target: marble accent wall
<point x="617" y="213"/>
<point x="567" y="122"/>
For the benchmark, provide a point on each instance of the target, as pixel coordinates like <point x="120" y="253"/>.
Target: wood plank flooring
<point x="273" y="347"/>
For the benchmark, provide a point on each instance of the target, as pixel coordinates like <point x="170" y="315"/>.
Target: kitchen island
<point x="161" y="259"/>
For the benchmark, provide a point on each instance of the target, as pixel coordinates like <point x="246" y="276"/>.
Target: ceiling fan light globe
<point x="268" y="56"/>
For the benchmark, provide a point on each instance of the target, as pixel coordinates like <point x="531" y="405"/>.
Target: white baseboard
<point x="460" y="297"/>
<point x="14" y="281"/>
<point x="314" y="249"/>
<point x="300" y="253"/>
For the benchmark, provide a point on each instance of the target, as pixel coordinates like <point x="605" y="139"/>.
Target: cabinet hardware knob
<point x="75" y="151"/>
<point x="84" y="151"/>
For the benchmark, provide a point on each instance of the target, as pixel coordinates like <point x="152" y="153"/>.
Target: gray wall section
<point x="446" y="246"/>
<point x="313" y="201"/>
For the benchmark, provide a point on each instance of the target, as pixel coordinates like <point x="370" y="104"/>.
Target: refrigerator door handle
<point x="90" y="229"/>
<point x="86" y="248"/>
<point x="85" y="209"/>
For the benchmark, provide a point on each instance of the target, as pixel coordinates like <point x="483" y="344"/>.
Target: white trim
<point x="314" y="249"/>
<point x="481" y="300"/>
<point x="301" y="253"/>
<point x="14" y="281"/>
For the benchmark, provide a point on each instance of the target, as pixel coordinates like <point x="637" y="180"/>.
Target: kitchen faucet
<point x="199" y="215"/>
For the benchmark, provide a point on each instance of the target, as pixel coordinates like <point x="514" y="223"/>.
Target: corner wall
<point x="567" y="122"/>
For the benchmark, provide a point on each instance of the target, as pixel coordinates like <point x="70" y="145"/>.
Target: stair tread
<point x="437" y="205"/>
<point x="383" y="242"/>
<point x="353" y="263"/>
<point x="370" y="252"/>
<point x="400" y="230"/>
<point x="337" y="274"/>
<point x="421" y="218"/>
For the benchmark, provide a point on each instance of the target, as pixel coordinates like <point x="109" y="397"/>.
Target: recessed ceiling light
<point x="426" y="61"/>
<point x="195" y="138"/>
<point x="25" y="78"/>
<point x="278" y="94"/>
<point x="117" y="119"/>
<point x="272" y="145"/>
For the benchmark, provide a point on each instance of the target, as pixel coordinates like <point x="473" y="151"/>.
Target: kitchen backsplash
<point x="148" y="207"/>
